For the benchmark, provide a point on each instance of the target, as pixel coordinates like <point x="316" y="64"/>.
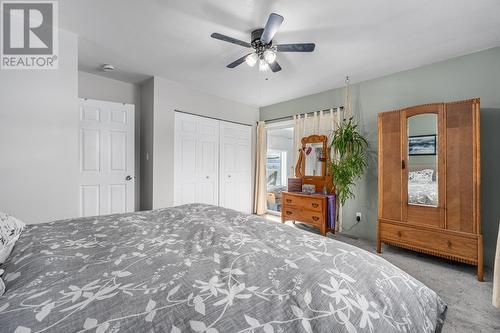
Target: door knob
<point x="229" y="176"/>
<point x="128" y="178"/>
<point x="207" y="177"/>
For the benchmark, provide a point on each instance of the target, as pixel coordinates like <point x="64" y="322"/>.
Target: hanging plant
<point x="349" y="161"/>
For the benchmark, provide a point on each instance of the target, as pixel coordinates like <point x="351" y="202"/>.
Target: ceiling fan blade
<point x="273" y="24"/>
<point x="299" y="47"/>
<point x="275" y="67"/>
<point x="230" y="39"/>
<point x="238" y="62"/>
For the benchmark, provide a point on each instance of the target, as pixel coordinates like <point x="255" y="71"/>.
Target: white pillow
<point x="421" y="176"/>
<point x="10" y="229"/>
<point x="6" y="249"/>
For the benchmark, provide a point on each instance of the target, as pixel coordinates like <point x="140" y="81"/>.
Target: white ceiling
<point x="360" y="38"/>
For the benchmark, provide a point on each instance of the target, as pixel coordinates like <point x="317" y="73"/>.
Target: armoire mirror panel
<point x="423" y="173"/>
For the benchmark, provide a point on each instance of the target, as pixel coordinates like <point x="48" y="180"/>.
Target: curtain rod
<point x="301" y="114"/>
<point x="198" y="115"/>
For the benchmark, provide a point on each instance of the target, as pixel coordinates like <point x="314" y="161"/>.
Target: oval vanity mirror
<point x="423" y="160"/>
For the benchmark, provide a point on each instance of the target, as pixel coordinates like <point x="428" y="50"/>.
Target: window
<point x="276" y="169"/>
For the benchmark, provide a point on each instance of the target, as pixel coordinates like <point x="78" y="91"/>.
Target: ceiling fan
<point x="262" y="42"/>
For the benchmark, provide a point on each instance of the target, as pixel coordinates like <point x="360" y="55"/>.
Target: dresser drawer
<point x="312" y="217"/>
<point x="291" y="213"/>
<point x="461" y="246"/>
<point x="315" y="204"/>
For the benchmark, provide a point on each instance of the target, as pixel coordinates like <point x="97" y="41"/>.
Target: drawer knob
<point x="449" y="244"/>
<point x="288" y="212"/>
<point x="400" y="234"/>
<point x="315" y="218"/>
<point x="315" y="205"/>
<point x="288" y="200"/>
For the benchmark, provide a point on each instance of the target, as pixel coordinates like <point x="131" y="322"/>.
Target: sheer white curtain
<point x="496" y="275"/>
<point x="260" y="206"/>
<point x="319" y="123"/>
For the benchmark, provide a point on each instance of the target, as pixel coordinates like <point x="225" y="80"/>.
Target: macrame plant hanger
<point x="347" y="114"/>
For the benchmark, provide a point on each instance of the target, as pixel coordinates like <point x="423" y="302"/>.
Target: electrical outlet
<point x="358" y="216"/>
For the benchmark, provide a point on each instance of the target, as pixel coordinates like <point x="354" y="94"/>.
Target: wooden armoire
<point x="429" y="181"/>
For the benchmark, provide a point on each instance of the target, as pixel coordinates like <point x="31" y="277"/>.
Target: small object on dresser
<point x="308" y="188"/>
<point x="294" y="184"/>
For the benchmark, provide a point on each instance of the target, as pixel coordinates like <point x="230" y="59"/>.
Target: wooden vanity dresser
<point x="311" y="209"/>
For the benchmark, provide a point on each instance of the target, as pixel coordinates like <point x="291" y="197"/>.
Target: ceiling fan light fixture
<point x="251" y="59"/>
<point x="263" y="66"/>
<point x="264" y="50"/>
<point x="270" y="56"/>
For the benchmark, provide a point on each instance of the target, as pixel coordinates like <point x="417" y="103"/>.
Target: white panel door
<point x="235" y="166"/>
<point x="196" y="160"/>
<point x="107" y="174"/>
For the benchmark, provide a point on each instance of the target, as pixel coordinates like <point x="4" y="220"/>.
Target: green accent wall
<point x="473" y="75"/>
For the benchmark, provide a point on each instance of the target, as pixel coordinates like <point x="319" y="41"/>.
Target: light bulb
<point x="251" y="60"/>
<point x="269" y="56"/>
<point x="263" y="66"/>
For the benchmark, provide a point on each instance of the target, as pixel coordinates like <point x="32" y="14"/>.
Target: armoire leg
<point x="379" y="243"/>
<point x="480" y="263"/>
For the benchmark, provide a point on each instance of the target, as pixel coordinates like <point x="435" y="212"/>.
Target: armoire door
<point x="390" y="165"/>
<point x="196" y="160"/>
<point x="462" y="166"/>
<point x="424" y="177"/>
<point x="235" y="166"/>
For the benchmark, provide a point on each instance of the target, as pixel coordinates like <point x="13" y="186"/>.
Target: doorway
<point x="107" y="175"/>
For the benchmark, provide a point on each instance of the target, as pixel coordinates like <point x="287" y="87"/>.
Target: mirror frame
<point x="434" y="215"/>
<point x="300" y="167"/>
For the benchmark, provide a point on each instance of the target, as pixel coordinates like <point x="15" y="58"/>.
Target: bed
<point x="423" y="193"/>
<point x="200" y="268"/>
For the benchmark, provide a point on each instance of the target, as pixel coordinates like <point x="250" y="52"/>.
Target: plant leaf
<point x="307" y="326"/>
<point x="44" y="312"/>
<point x="5" y="306"/>
<point x="199" y="306"/>
<point x="89" y="323"/>
<point x="198" y="326"/>
<point x="102" y="328"/>
<point x="297" y="311"/>
<point x="173" y="290"/>
<point x="252" y="321"/>
<point x="307" y="297"/>
<point x="150" y="316"/>
<point x="151" y="305"/>
<point x="268" y="328"/>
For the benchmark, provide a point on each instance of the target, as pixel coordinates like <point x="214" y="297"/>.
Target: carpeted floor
<point x="469" y="301"/>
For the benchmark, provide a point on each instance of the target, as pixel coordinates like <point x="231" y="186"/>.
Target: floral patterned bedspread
<point x="200" y="268"/>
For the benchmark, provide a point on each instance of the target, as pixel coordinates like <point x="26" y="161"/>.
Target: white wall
<point x="97" y="87"/>
<point x="102" y="88"/>
<point x="147" y="135"/>
<point x="168" y="97"/>
<point x="39" y="139"/>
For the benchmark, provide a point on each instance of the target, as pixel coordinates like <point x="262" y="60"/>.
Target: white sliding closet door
<point x="196" y="160"/>
<point x="107" y="175"/>
<point x="235" y="167"/>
